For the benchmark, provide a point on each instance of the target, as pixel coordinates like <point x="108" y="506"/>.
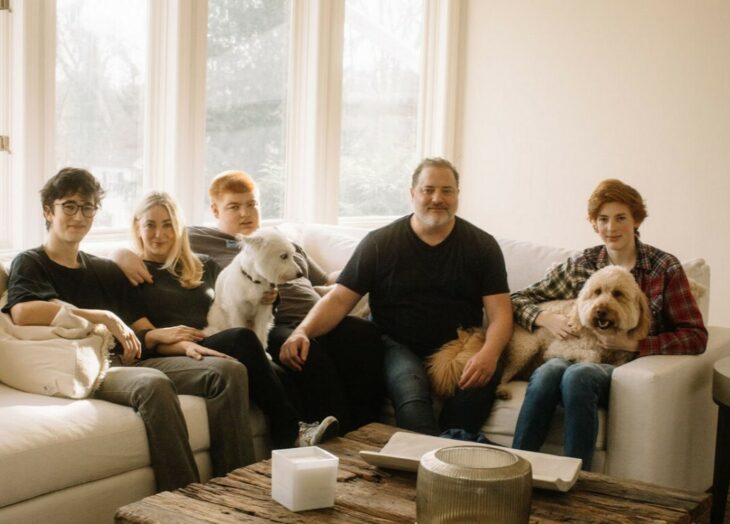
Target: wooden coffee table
<point x="366" y="494"/>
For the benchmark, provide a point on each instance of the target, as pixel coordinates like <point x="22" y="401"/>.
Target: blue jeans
<point x="582" y="388"/>
<point x="409" y="389"/>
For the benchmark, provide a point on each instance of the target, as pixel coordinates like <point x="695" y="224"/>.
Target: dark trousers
<point x="151" y="387"/>
<point x="343" y="375"/>
<point x="265" y="388"/>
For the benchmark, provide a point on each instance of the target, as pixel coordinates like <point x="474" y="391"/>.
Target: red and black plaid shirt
<point x="676" y="327"/>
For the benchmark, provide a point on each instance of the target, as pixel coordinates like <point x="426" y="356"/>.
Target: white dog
<point x="609" y="302"/>
<point x="265" y="261"/>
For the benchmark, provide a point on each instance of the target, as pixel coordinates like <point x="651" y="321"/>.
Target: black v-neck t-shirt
<point x="420" y="294"/>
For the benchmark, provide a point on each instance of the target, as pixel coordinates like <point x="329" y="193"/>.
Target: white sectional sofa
<point x="76" y="461"/>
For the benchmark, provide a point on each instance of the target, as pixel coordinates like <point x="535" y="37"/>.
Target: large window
<point x="380" y="92"/>
<point x="246" y="93"/>
<point x="328" y="105"/>
<point x="100" y="80"/>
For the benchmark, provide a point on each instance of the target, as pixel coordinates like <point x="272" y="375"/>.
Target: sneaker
<point x="316" y="432"/>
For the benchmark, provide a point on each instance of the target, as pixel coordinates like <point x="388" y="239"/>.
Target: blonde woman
<point x="181" y="294"/>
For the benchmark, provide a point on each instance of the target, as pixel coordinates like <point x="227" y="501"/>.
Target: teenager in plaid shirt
<point x="616" y="211"/>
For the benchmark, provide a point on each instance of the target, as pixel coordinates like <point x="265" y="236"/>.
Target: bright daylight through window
<point x="100" y="80"/>
<point x="5" y="193"/>
<point x="248" y="60"/>
<point x="380" y="93"/>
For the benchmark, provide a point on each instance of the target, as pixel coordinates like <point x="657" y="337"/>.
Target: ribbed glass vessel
<point x="465" y="484"/>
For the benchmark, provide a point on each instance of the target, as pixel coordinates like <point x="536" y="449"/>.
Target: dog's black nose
<point x="601" y="314"/>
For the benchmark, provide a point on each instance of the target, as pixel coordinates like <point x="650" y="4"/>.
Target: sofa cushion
<point x="68" y="358"/>
<point x="330" y="246"/>
<point x="53" y="443"/>
<point x="527" y="262"/>
<point x="698" y="271"/>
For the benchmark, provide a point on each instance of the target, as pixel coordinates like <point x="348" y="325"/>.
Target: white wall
<point x="558" y="95"/>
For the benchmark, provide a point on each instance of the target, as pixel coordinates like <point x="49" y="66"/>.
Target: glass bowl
<point x="462" y="484"/>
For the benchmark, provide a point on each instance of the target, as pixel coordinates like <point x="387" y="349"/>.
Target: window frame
<point x="174" y="141"/>
<point x="5" y="105"/>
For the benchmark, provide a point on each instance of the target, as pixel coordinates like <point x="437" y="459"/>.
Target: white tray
<point x="404" y="451"/>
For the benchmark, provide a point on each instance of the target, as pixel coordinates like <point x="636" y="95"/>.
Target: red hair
<point x="231" y="182"/>
<point x="613" y="190"/>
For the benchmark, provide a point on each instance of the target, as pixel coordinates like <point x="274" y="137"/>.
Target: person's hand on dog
<point x="132" y="266"/>
<point x="618" y="341"/>
<point x="478" y="370"/>
<point x="293" y="353"/>
<point x="269" y="297"/>
<point x="558" y="325"/>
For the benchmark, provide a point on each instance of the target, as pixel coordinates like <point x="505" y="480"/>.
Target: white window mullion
<point x="5" y="97"/>
<point x="158" y="111"/>
<point x="175" y="115"/>
<point x="441" y="69"/>
<point x="189" y="165"/>
<point x="315" y="96"/>
<point x="33" y="117"/>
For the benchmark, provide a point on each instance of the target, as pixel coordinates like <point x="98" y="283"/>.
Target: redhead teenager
<point x="180" y="295"/>
<point x="615" y="210"/>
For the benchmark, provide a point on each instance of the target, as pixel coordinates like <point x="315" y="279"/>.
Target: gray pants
<point x="151" y="387"/>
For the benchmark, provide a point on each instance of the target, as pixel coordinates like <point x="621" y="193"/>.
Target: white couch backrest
<point x="331" y="246"/>
<point x="527" y="262"/>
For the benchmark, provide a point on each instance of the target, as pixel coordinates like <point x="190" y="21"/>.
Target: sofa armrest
<point x="662" y="418"/>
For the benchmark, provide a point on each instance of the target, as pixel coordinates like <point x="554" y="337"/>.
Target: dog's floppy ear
<point x="641" y="331"/>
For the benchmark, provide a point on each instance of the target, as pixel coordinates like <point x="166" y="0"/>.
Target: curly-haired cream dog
<point x="610" y="301"/>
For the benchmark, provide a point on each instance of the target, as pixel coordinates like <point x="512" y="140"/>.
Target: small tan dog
<point x="610" y="301"/>
<point x="445" y="366"/>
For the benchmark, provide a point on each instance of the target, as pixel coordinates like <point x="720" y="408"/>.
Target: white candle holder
<point x="303" y="478"/>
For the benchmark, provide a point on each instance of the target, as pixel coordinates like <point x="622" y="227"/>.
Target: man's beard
<point x="435" y="220"/>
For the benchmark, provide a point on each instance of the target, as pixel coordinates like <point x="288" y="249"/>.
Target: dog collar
<point x="271" y="285"/>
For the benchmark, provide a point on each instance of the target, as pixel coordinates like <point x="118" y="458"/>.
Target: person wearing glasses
<point x="100" y="293"/>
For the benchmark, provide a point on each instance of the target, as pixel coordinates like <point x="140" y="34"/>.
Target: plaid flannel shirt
<point x="676" y="327"/>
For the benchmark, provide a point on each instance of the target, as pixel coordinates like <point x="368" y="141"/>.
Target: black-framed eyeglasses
<point x="70" y="208"/>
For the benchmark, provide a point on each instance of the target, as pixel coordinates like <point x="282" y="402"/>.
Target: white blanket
<point x="69" y="358"/>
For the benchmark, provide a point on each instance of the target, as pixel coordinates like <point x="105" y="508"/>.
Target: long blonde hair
<point x="181" y="262"/>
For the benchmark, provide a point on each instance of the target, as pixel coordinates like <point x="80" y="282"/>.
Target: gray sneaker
<point x="313" y="433"/>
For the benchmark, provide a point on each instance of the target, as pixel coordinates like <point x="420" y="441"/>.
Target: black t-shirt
<point x="168" y="304"/>
<point x="420" y="294"/>
<point x="96" y="284"/>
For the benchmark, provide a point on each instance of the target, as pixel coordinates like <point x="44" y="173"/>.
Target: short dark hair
<point x="68" y="181"/>
<point x="433" y="162"/>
